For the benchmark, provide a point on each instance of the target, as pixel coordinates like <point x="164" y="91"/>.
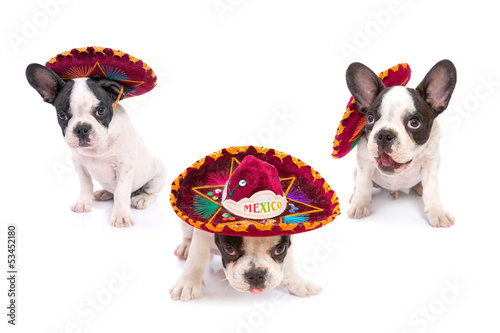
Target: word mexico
<point x="263" y="207"/>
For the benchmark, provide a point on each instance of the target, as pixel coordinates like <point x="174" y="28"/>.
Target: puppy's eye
<point x="101" y="111"/>
<point x="370" y="119"/>
<point x="229" y="250"/>
<point x="414" y="123"/>
<point x="62" y="116"/>
<point x="280" y="249"/>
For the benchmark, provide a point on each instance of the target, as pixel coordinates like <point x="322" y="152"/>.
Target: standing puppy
<point x="104" y="144"/>
<point x="251" y="264"/>
<point x="247" y="202"/>
<point x="401" y="147"/>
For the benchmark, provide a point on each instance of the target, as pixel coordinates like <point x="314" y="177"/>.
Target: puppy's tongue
<point x="256" y="291"/>
<point x="387" y="161"/>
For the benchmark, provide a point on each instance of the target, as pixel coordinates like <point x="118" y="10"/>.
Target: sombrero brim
<point x="352" y="125"/>
<point x="196" y="199"/>
<point x="100" y="62"/>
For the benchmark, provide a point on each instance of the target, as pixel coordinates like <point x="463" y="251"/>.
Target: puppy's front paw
<point x="182" y="250"/>
<point x="187" y="288"/>
<point x="300" y="287"/>
<point x="440" y="218"/>
<point x="122" y="218"/>
<point x="82" y="205"/>
<point x="359" y="209"/>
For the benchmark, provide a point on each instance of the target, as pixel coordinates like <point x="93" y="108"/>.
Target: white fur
<point x="196" y="247"/>
<point x="419" y="172"/>
<point x="117" y="158"/>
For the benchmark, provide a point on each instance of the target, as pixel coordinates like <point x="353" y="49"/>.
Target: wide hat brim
<point x="197" y="193"/>
<point x="104" y="63"/>
<point x="352" y="124"/>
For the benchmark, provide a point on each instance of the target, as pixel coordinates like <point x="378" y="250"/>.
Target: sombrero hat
<point x="352" y="125"/>
<point x="102" y="62"/>
<point x="253" y="192"/>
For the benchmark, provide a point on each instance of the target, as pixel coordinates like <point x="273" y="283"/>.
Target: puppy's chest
<point x="408" y="179"/>
<point x="103" y="171"/>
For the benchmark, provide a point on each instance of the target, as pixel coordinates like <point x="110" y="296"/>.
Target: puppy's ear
<point x="113" y="88"/>
<point x="45" y="81"/>
<point x="363" y="84"/>
<point x="438" y="85"/>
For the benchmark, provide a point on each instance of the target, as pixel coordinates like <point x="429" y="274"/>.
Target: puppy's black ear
<point x="113" y="88"/>
<point x="438" y="85"/>
<point x="363" y="84"/>
<point x="45" y="81"/>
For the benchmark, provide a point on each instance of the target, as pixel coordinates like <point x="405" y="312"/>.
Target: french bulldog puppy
<point x="251" y="264"/>
<point x="104" y="144"/>
<point x="400" y="149"/>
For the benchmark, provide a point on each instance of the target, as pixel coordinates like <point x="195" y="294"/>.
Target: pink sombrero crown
<point x="102" y="62"/>
<point x="253" y="191"/>
<point x="352" y="125"/>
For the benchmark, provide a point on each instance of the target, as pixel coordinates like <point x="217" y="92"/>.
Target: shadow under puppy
<point x="401" y="147"/>
<point x="250" y="198"/>
<point x="104" y="144"/>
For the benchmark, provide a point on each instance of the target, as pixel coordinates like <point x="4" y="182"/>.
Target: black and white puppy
<point x="104" y="144"/>
<point x="250" y="264"/>
<point x="401" y="147"/>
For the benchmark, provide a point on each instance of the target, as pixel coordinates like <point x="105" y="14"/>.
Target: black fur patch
<point x="103" y="112"/>
<point x="284" y="241"/>
<point x="424" y="114"/>
<point x="374" y="111"/>
<point x="63" y="109"/>
<point x="224" y="242"/>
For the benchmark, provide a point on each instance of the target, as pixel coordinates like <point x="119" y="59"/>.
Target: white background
<point x="225" y="73"/>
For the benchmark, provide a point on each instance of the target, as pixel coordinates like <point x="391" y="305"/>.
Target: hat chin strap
<point x="119" y="95"/>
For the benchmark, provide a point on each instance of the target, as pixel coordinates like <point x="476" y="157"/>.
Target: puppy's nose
<point x="256" y="277"/>
<point x="82" y="131"/>
<point x="385" y="137"/>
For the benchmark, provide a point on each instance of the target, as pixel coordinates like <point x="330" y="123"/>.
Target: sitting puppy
<point x="401" y="147"/>
<point x="104" y="144"/>
<point x="250" y="263"/>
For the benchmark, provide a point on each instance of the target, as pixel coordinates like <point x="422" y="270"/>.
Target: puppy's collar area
<point x="118" y="99"/>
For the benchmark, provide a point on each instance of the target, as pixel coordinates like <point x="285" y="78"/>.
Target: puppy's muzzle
<point x="82" y="132"/>
<point x="256" y="278"/>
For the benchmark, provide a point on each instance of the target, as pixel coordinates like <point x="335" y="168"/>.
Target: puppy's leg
<point x="84" y="201"/>
<point x="361" y="199"/>
<point x="294" y="281"/>
<point x="189" y="284"/>
<point x="182" y="250"/>
<point x="152" y="189"/>
<point x="121" y="216"/>
<point x="437" y="214"/>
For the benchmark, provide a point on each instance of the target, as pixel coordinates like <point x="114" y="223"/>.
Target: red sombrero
<point x="254" y="192"/>
<point x="352" y="125"/>
<point x="101" y="62"/>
